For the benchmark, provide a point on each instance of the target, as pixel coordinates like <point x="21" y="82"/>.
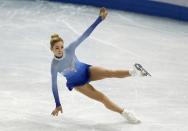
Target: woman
<point x="78" y="74"/>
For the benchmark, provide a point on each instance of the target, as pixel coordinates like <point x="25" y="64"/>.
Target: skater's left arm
<point x="102" y="16"/>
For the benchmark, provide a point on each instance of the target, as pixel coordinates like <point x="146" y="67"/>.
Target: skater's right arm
<point x="58" y="107"/>
<point x="54" y="86"/>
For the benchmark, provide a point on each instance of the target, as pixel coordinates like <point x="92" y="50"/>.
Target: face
<point x="58" y="49"/>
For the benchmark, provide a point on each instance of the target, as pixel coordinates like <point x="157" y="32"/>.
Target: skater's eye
<point x="61" y="47"/>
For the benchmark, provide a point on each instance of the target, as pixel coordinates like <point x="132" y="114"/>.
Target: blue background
<point x="139" y="6"/>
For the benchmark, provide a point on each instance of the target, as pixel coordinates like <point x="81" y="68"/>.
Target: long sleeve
<point x="76" y="43"/>
<point x="54" y="87"/>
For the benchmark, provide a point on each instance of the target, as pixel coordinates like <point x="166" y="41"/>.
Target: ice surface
<point x="26" y="100"/>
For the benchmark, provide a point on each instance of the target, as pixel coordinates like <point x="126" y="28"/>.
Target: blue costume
<point x="76" y="72"/>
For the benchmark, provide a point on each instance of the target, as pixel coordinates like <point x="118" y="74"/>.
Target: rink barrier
<point x="139" y="6"/>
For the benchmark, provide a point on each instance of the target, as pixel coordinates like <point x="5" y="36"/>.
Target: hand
<point x="103" y="13"/>
<point x="56" y="111"/>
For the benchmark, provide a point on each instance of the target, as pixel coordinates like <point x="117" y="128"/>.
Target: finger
<point x="55" y="114"/>
<point x="52" y="113"/>
<point x="106" y="12"/>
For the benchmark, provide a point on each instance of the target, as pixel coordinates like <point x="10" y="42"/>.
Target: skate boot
<point x="130" y="117"/>
<point x="138" y="70"/>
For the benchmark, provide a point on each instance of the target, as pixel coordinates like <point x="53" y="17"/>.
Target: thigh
<point x="90" y="91"/>
<point x="98" y="73"/>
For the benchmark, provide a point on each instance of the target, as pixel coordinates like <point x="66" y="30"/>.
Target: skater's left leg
<point x="98" y="73"/>
<point x="91" y="92"/>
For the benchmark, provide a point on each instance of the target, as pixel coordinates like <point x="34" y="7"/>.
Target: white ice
<point x="26" y="100"/>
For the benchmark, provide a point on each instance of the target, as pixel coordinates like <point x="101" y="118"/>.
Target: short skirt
<point x="79" y="77"/>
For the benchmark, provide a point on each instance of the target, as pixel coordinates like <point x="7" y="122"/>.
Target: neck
<point x="58" y="57"/>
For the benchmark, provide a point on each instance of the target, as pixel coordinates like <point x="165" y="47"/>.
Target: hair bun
<point x="55" y="35"/>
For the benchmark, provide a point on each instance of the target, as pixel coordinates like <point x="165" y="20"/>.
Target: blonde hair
<point x="54" y="39"/>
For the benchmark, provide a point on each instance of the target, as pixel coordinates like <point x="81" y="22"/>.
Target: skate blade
<point x="141" y="69"/>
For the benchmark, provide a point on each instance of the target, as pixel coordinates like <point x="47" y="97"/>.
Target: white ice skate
<point x="130" y="117"/>
<point x="134" y="72"/>
<point x="138" y="70"/>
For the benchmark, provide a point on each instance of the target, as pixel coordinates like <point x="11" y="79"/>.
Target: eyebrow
<point x="58" y="46"/>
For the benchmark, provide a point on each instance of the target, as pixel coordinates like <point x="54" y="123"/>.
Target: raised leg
<point x="91" y="92"/>
<point x="98" y="73"/>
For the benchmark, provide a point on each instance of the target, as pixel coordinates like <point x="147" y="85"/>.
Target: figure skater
<point x="79" y="74"/>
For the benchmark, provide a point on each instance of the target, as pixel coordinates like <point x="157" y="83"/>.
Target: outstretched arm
<point x="102" y="15"/>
